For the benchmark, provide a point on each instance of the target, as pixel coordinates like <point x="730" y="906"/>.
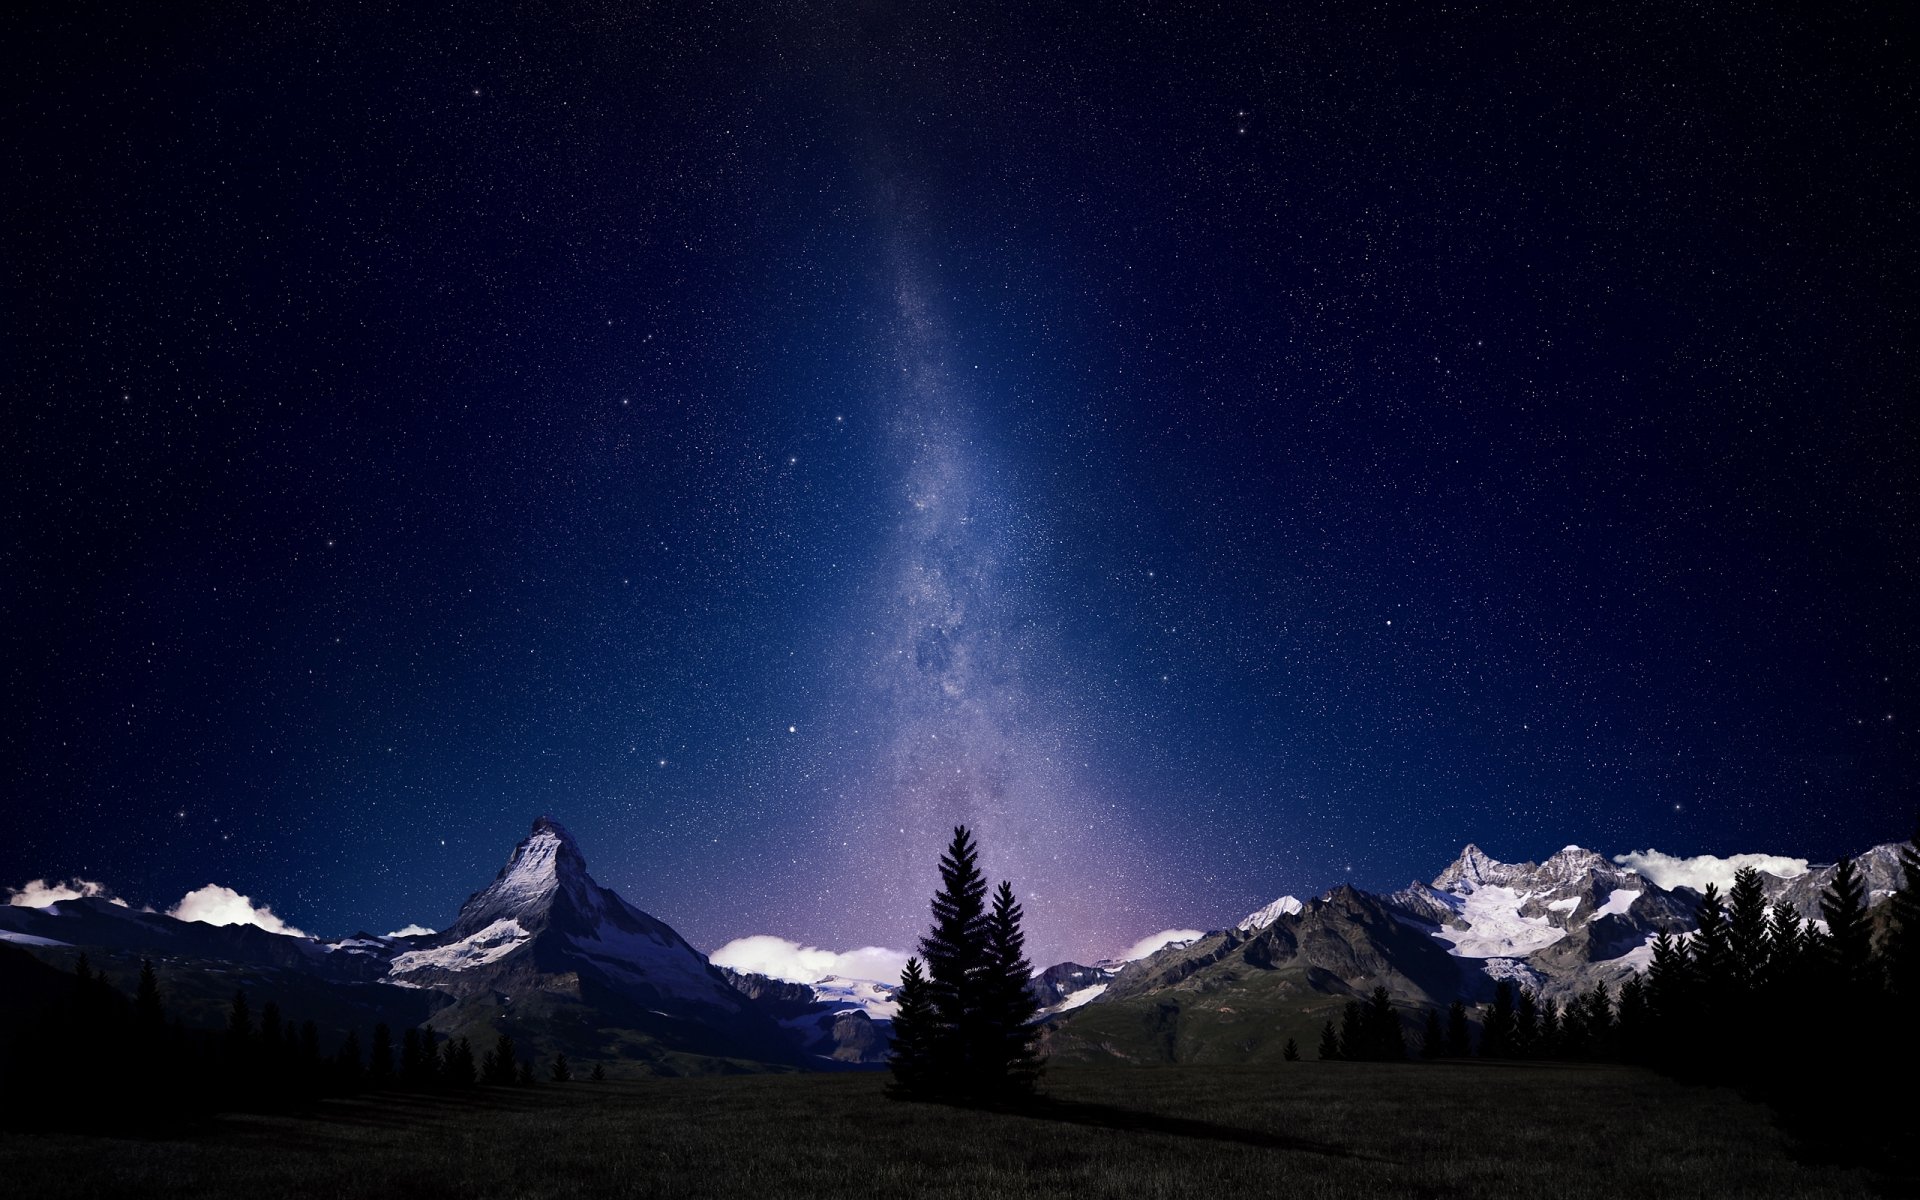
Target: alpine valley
<point x="567" y="966"/>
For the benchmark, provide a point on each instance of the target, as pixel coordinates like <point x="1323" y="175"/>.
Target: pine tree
<point x="525" y="1077"/>
<point x="412" y="1068"/>
<point x="1599" y="1021"/>
<point x="1010" y="1064"/>
<point x="916" y="1034"/>
<point x="239" y="1020"/>
<point x="1385" y="1040"/>
<point x="1291" y="1051"/>
<point x="1786" y="951"/>
<point x="1329" y="1044"/>
<point x="459" y="1069"/>
<point x="1459" y="1036"/>
<point x="957" y="964"/>
<point x="1903" y="933"/>
<point x="1631" y="1024"/>
<point x="1353" y="1032"/>
<point x="1526" y="1025"/>
<point x="1433" y="1041"/>
<point x="500" y="1065"/>
<point x="1548" y="1043"/>
<point x="146" y="1001"/>
<point x="1747" y="928"/>
<point x="598" y="1074"/>
<point x="1712" y="956"/>
<point x="349" y="1065"/>
<point x="270" y="1027"/>
<point x="1849" y="936"/>
<point x="562" y="1073"/>
<point x="1496" y="1031"/>
<point x="380" y="1061"/>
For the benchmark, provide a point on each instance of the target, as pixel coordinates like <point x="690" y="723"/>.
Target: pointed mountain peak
<point x="1260" y="918"/>
<point x="1473" y="868"/>
<point x="545" y="867"/>
<point x="547" y="825"/>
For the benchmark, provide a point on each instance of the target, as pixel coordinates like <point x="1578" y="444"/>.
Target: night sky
<point x="1214" y="452"/>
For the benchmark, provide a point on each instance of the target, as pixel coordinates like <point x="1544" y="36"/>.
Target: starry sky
<point x="1213" y="450"/>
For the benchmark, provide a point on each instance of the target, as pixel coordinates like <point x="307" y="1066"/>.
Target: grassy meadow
<point x="1304" y="1129"/>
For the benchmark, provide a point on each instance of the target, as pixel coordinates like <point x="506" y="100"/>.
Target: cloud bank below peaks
<point x="216" y="905"/>
<point x="1702" y="869"/>
<point x="778" y="958"/>
<point x="1160" y="941"/>
<point x="40" y="892"/>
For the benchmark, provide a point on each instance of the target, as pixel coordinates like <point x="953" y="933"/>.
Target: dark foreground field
<point x="1305" y="1129"/>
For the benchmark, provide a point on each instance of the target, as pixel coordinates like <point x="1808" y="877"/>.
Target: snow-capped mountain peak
<point x="545" y="867"/>
<point x="1260" y="918"/>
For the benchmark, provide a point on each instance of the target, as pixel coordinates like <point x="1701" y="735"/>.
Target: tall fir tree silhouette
<point x="1329" y="1044"/>
<point x="1353" y="1031"/>
<point x="1012" y="1061"/>
<point x="1849" y="937"/>
<point x="146" y="1001"/>
<point x="500" y="1066"/>
<point x="1747" y="928"/>
<point x="1547" y="1045"/>
<point x="1903" y="928"/>
<point x="1291" y="1051"/>
<point x="956" y="957"/>
<point x="1526" y="1024"/>
<point x="914" y="1060"/>
<point x="1459" y="1032"/>
<point x="380" y="1056"/>
<point x="1496" y="1030"/>
<point x="562" y="1070"/>
<point x="1433" y="1039"/>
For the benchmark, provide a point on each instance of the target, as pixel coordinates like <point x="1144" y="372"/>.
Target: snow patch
<point x="1640" y="958"/>
<point x="412" y="931"/>
<point x="865" y="995"/>
<point x="1565" y="906"/>
<point x="1080" y="996"/>
<point x="1617" y="903"/>
<point x="495" y="941"/>
<point x="26" y="939"/>
<point x="1495" y="928"/>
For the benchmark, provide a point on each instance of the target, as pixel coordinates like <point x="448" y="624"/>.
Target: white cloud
<point x="778" y="958"/>
<point x="40" y="892"/>
<point x="216" y="905"/>
<point x="411" y="931"/>
<point x="1700" y="870"/>
<point x="1160" y="941"/>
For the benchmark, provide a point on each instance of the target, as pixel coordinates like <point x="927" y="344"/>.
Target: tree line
<point x="100" y="1059"/>
<point x="1755" y="997"/>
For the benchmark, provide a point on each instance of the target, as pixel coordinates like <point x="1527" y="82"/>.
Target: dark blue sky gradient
<point x="1346" y="436"/>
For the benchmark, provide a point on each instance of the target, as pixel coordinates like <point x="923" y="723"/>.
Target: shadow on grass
<point x="1131" y="1120"/>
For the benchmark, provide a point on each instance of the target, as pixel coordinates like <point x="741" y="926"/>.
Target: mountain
<point x="1558" y="926"/>
<point x="549" y="955"/>
<point x="1066" y="986"/>
<point x="842" y="1022"/>
<point x="543" y="952"/>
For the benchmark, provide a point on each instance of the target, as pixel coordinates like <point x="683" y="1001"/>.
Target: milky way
<point x="1215" y="452"/>
<point x="973" y="699"/>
